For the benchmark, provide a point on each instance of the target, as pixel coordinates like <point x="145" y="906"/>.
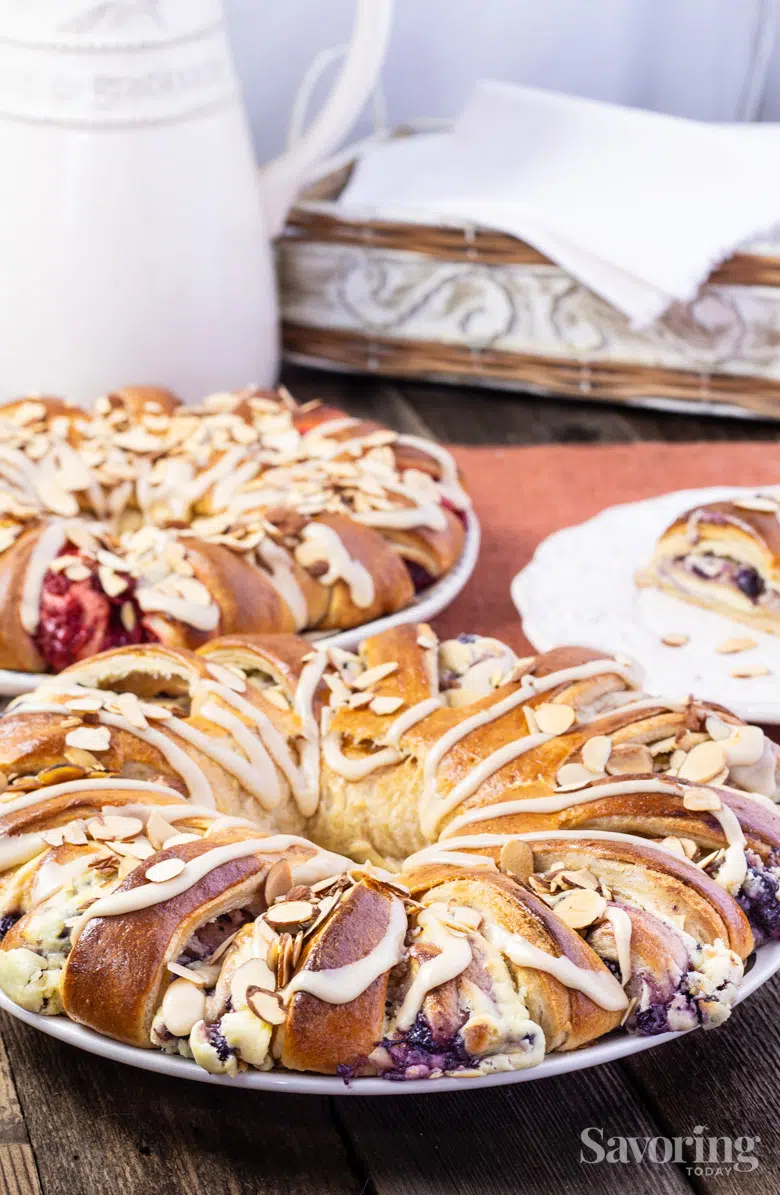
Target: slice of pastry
<point x="724" y="556"/>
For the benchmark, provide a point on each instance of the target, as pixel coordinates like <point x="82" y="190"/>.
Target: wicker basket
<point x="460" y="304"/>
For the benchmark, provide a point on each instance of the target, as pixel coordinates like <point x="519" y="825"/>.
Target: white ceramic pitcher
<point x="135" y="241"/>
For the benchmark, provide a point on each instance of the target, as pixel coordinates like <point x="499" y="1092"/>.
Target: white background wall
<point x="691" y="57"/>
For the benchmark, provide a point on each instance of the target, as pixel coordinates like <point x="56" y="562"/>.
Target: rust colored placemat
<point x="523" y="494"/>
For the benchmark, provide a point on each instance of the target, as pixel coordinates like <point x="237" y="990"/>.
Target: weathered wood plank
<point x="725" y="1080"/>
<point x="523" y="1139"/>
<point x="98" y="1126"/>
<point x="18" y="1175"/>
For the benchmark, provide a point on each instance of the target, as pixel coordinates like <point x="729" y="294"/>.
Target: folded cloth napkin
<point x="638" y="206"/>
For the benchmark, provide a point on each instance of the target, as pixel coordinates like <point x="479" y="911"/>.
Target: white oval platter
<point x="610" y="1049"/>
<point x="579" y="588"/>
<point x="429" y="603"/>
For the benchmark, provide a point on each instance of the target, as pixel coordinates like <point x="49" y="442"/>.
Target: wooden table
<point x="71" y="1124"/>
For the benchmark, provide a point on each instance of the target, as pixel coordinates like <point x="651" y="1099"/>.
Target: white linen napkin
<point x="638" y="206"/>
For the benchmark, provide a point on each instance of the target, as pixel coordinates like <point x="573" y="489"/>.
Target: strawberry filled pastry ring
<point x="147" y="521"/>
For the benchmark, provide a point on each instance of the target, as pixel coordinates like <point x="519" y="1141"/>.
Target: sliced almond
<point x="596" y="752"/>
<point x="581" y="907"/>
<point x="179" y="839"/>
<point x="74" y="833"/>
<point x="372" y="676"/>
<point x="254" y="973"/>
<point x="701" y="800"/>
<point x="158" y="829"/>
<point x="110" y="582"/>
<point x="196" y="977"/>
<point x="265" y="1005"/>
<point x="717" y="729"/>
<point x="83" y="759"/>
<point x="290" y="914"/>
<point x="517" y="859"/>
<point x="685" y="848"/>
<point x="703" y="763"/>
<point x="386" y="705"/>
<point x="530" y="720"/>
<point x="167" y="869"/>
<point x="675" y="639"/>
<point x="572" y="776"/>
<point x="763" y="505"/>
<point x="747" y="671"/>
<point x="276" y="697"/>
<point x="730" y="647"/>
<point x="278" y="882"/>
<point x="88" y="704"/>
<point x="629" y="758"/>
<point x="128" y="616"/>
<point x="140" y="849"/>
<point x="89" y="738"/>
<point x="121" y="827"/>
<point x="552" y="718"/>
<point x="579" y="879"/>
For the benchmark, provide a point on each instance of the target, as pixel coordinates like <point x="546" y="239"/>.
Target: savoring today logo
<point x="699" y="1155"/>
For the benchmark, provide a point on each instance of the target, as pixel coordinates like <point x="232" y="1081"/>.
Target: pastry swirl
<point x="148" y="521"/>
<point x="551" y="853"/>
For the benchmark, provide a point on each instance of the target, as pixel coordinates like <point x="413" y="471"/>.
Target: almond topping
<point x="265" y="1005"/>
<point x="701" y="800"/>
<point x="89" y="738"/>
<point x="703" y="763"/>
<point x="517" y="859"/>
<point x="114" y="827"/>
<point x="386" y="705"/>
<point x="372" y="676"/>
<point x="278" y="882"/>
<point x="628" y="758"/>
<point x="675" y="639"/>
<point x="290" y="914"/>
<point x="730" y="647"/>
<point x="764" y="505"/>
<point x="179" y="839"/>
<point x="167" y="869"/>
<point x="196" y="977"/>
<point x="747" y="671"/>
<point x="552" y="718"/>
<point x="255" y="973"/>
<point x="596" y="752"/>
<point x="581" y="907"/>
<point x="744" y="746"/>
<point x="157" y="829"/>
<point x="572" y="776"/>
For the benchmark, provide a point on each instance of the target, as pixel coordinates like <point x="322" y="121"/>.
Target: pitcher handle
<point x="283" y="176"/>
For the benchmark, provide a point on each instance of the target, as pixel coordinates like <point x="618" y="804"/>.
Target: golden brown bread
<point x="149" y="521"/>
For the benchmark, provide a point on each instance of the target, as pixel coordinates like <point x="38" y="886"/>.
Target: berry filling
<point x="759" y="897"/>
<point x="418" y="1053"/>
<point x="421" y="578"/>
<point x="6" y="921"/>
<point x="78" y="618"/>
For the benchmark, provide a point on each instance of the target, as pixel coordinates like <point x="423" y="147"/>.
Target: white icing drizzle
<point x="470" y="841"/>
<point x="599" y="986"/>
<point x="265" y="786"/>
<point x="622" y="929"/>
<point x="278" y="563"/>
<point x="355" y="769"/>
<point x="51" y="875"/>
<point x="432" y="808"/>
<point x="146" y="895"/>
<point x="340" y="985"/>
<point x="196" y="780"/>
<point x="230" y="760"/>
<point x="409" y="718"/>
<point x="483" y="771"/>
<point x="341" y="566"/>
<point x="275" y="742"/>
<point x="194" y="614"/>
<point x="732" y="872"/>
<point x="556" y="802"/>
<point x="449" y="470"/>
<point x="454" y="858"/>
<point x="454" y="956"/>
<point x="635" y="707"/>
<point x="429" y="514"/>
<point x="42" y="796"/>
<point x="303" y="704"/>
<point x="51" y="540"/>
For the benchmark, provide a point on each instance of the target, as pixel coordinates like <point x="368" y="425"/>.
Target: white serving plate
<point x="611" y="1048"/>
<point x="423" y="608"/>
<point x="579" y="588"/>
